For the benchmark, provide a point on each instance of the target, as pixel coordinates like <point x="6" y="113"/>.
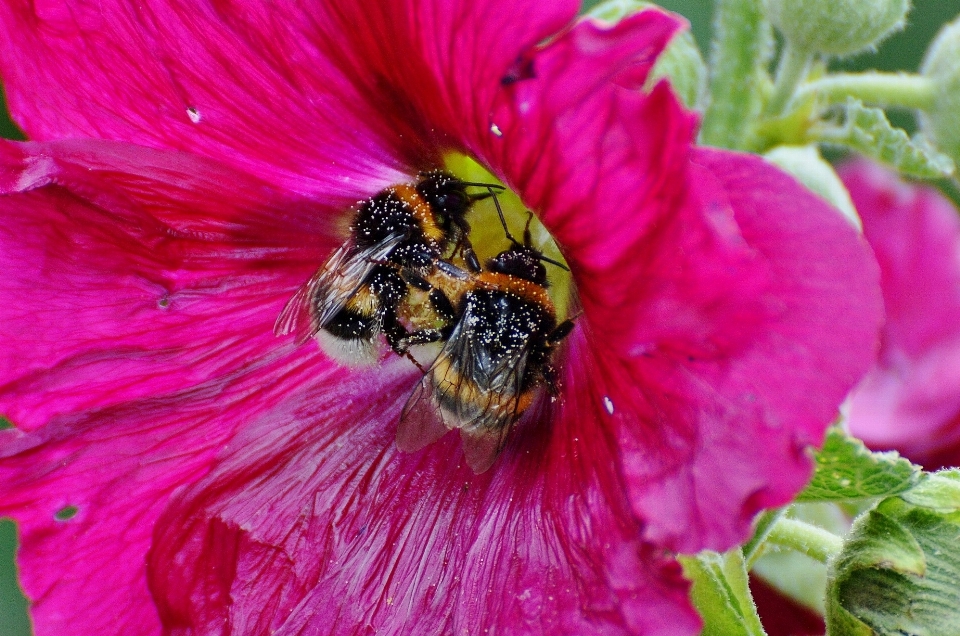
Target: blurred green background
<point x="902" y="51"/>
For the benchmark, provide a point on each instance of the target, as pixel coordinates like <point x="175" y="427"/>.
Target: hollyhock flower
<point x="176" y="468"/>
<point x="910" y="400"/>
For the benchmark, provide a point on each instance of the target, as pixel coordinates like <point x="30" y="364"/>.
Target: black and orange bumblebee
<point x="361" y="291"/>
<point x="497" y="352"/>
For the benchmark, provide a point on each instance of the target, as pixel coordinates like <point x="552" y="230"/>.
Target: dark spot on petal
<point x="66" y="513"/>
<point x="5" y="423"/>
<point x="163" y="302"/>
<point x="522" y="69"/>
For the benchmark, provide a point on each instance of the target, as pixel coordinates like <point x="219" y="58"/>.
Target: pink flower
<point x="910" y="400"/>
<point x="193" y="164"/>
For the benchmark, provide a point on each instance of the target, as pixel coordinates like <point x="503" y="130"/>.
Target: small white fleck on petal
<point x="194" y="115"/>
<point x="608" y="404"/>
<point x="496" y="130"/>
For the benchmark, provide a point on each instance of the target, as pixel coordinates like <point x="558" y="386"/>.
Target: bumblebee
<point x="497" y="353"/>
<point x="361" y="290"/>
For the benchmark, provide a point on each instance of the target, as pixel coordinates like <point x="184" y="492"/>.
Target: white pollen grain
<point x="608" y="404"/>
<point x="194" y="115"/>
<point x="496" y="130"/>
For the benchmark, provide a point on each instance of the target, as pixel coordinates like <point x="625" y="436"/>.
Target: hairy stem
<point x="882" y="89"/>
<point x="793" y="68"/>
<point x="806" y="538"/>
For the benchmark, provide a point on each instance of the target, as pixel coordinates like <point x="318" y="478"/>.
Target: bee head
<point x="520" y="261"/>
<point x="446" y="195"/>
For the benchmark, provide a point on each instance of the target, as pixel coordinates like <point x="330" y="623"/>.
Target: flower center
<point x="488" y="237"/>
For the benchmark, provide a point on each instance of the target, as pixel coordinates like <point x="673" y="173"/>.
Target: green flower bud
<point x="810" y="169"/>
<point x="681" y="63"/>
<point x="941" y="122"/>
<point x="837" y="27"/>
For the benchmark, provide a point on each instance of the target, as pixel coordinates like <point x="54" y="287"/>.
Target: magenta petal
<point x="117" y="467"/>
<point x="308" y="96"/>
<point x="326" y="528"/>
<point x="136" y="273"/>
<point x="731" y="310"/>
<point x="570" y="139"/>
<point x="752" y="407"/>
<point x="752" y="323"/>
<point x="734" y="414"/>
<point x="910" y="401"/>
<point x="140" y="289"/>
<point x="726" y="313"/>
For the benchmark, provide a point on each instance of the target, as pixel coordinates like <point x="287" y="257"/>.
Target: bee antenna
<point x="526" y="229"/>
<point x="488" y="186"/>
<point x="503" y="221"/>
<point x="553" y="262"/>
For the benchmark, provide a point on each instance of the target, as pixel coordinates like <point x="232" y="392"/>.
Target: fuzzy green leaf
<point x="940" y="491"/>
<point x="846" y="470"/>
<point x="868" y="131"/>
<point x="898" y="572"/>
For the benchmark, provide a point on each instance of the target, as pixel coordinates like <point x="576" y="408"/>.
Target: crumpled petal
<point x="765" y="276"/>
<point x="730" y="413"/>
<point x="139" y="289"/>
<point x="327" y="98"/>
<point x="708" y="282"/>
<point x="732" y="310"/>
<point x="115" y="254"/>
<point x="910" y="400"/>
<point x="313" y="522"/>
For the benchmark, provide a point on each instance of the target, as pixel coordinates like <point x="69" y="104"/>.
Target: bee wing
<point x="421" y="422"/>
<point x="463" y="389"/>
<point x="485" y="427"/>
<point x="322" y="297"/>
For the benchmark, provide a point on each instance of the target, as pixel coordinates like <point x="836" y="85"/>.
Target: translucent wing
<point x="322" y="297"/>
<point x="469" y="389"/>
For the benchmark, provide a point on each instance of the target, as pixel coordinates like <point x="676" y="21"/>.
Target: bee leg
<point x="561" y="331"/>
<point x="470" y="257"/>
<point x="550" y="379"/>
<point x="422" y="336"/>
<point x="442" y="305"/>
<point x="409" y="356"/>
<point x="400" y="341"/>
<point x="415" y="280"/>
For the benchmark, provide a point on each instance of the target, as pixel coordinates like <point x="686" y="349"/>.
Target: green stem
<point x="806" y="538"/>
<point x="793" y="68"/>
<point x="739" y="54"/>
<point x="751" y="550"/>
<point x="882" y="89"/>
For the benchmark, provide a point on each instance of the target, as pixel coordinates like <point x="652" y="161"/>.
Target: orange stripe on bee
<point x="421" y="210"/>
<point x="529" y="291"/>
<point x="477" y="403"/>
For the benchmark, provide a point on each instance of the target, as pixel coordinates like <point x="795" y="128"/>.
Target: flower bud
<point x="809" y="168"/>
<point x="837" y="27"/>
<point x="941" y="122"/>
<point x="681" y="62"/>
